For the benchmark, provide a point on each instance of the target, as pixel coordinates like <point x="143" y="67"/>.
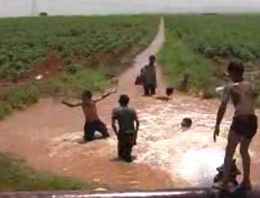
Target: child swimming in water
<point x="168" y="93"/>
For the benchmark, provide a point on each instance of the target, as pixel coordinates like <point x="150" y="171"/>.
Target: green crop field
<point x="70" y="53"/>
<point x="202" y="45"/>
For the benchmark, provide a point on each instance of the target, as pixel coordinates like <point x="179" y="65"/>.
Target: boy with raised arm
<point x="128" y="128"/>
<point x="92" y="121"/>
<point x="244" y="125"/>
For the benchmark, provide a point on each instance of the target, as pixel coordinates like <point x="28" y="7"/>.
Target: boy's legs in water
<point x="149" y="90"/>
<point x="130" y="142"/>
<point x="91" y="127"/>
<point x="128" y="151"/>
<point x="120" y="150"/>
<point x="89" y="131"/>
<point x="233" y="140"/>
<point x="125" y="147"/>
<point x="152" y="89"/>
<point x="246" y="160"/>
<point x="101" y="127"/>
<point x="146" y="90"/>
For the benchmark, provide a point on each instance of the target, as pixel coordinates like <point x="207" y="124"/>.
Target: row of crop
<point x="227" y="35"/>
<point x="25" y="41"/>
<point x="89" y="57"/>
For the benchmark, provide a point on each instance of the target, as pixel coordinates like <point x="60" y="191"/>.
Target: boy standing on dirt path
<point x="149" y="77"/>
<point x="244" y="125"/>
<point x="92" y="121"/>
<point x="128" y="128"/>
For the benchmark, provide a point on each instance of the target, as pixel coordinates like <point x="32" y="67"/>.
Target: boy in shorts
<point x="92" y="121"/>
<point x="244" y="125"/>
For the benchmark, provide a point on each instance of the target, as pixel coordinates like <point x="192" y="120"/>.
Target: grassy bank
<point x="179" y="61"/>
<point x="16" y="175"/>
<point x="202" y="45"/>
<point x="70" y="53"/>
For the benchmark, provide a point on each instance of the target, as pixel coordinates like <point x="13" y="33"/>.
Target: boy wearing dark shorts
<point x="92" y="121"/>
<point x="244" y="125"/>
<point x="128" y="128"/>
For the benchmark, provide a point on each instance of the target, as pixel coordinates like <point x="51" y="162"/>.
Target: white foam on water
<point x="162" y="144"/>
<point x="191" y="155"/>
<point x="71" y="143"/>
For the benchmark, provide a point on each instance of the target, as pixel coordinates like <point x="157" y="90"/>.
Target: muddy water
<point x="47" y="135"/>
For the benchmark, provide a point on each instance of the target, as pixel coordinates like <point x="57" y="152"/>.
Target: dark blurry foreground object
<point x="233" y="173"/>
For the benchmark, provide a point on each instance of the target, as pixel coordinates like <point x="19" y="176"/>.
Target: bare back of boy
<point x="242" y="96"/>
<point x="244" y="125"/>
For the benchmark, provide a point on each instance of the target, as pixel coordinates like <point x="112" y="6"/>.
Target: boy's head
<point x="86" y="95"/>
<point x="152" y="59"/>
<point x="235" y="71"/>
<point x="186" y="122"/>
<point x="169" y="91"/>
<point x="123" y="100"/>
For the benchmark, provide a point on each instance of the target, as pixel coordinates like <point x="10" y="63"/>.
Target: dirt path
<point x="46" y="135"/>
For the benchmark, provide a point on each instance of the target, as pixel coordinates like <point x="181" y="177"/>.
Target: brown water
<point x="47" y="136"/>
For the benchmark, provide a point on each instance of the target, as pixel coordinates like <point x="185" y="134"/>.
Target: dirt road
<point x="47" y="134"/>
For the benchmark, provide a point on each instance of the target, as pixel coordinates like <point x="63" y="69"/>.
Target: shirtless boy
<point x="244" y="125"/>
<point x="92" y="121"/>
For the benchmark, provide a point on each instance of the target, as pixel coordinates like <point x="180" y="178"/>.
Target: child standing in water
<point x="244" y="125"/>
<point x="148" y="75"/>
<point x="128" y="128"/>
<point x="92" y="121"/>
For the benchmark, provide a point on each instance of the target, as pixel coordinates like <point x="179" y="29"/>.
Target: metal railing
<point x="175" y="193"/>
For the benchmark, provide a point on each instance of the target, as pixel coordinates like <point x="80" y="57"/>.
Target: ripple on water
<point x="190" y="155"/>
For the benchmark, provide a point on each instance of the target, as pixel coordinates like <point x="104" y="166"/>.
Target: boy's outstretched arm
<point x="71" y="105"/>
<point x="220" y="115"/>
<point x="105" y="95"/>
